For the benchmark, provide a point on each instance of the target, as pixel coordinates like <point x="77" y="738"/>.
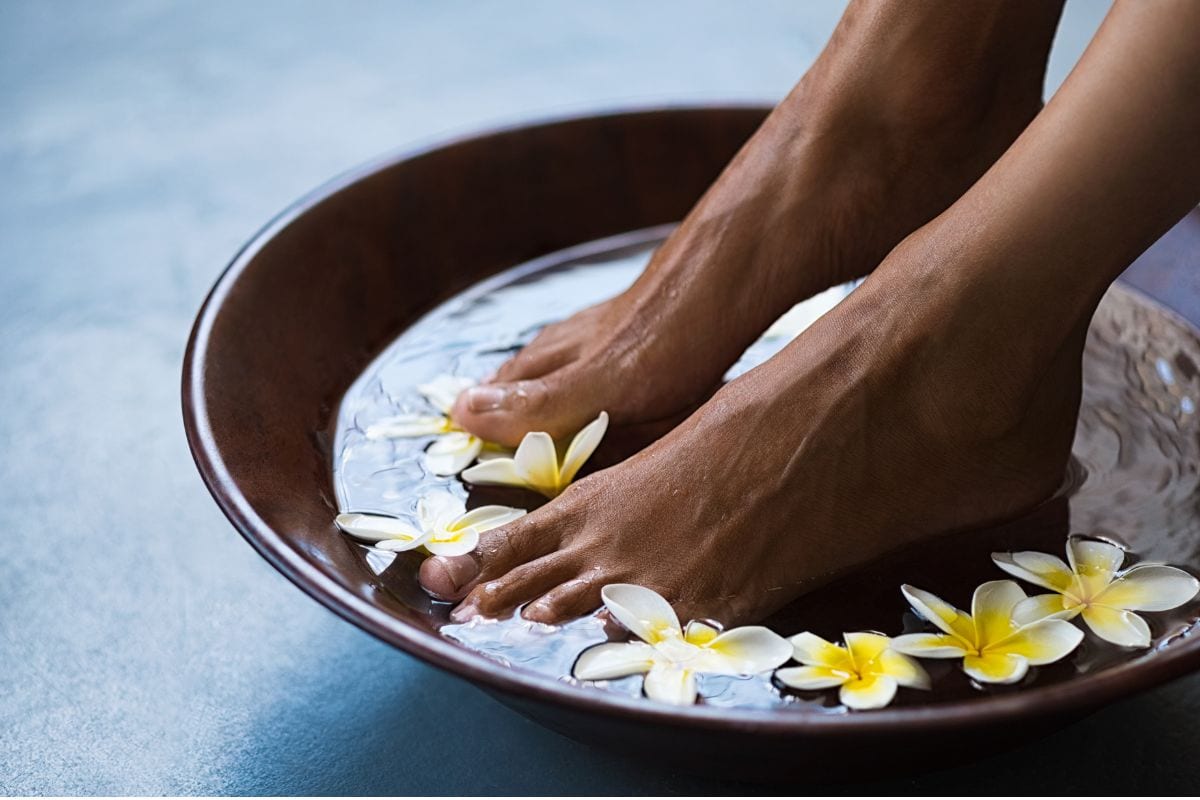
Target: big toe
<point x="448" y="577"/>
<point x="505" y="412"/>
<point x="499" y="551"/>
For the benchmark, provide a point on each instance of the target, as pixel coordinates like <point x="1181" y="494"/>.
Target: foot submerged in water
<point x="868" y="432"/>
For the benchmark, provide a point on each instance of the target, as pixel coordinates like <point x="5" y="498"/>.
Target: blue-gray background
<point x="144" y="648"/>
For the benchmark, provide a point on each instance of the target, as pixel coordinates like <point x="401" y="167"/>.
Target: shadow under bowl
<point x="314" y="296"/>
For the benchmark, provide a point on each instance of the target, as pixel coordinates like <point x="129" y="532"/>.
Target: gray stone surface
<point x="144" y="648"/>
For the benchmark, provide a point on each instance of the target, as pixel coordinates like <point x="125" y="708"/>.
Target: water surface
<point x="1133" y="481"/>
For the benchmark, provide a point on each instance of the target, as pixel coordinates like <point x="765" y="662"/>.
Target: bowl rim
<point x="1076" y="696"/>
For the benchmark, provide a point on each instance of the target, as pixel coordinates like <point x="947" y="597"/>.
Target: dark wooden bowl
<point x="312" y="298"/>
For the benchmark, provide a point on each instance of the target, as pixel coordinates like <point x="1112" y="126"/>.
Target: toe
<point x="504" y="412"/>
<point x="534" y="361"/>
<point x="499" y="550"/>
<point x="518" y="586"/>
<point x="575" y="598"/>
<point x="448" y="577"/>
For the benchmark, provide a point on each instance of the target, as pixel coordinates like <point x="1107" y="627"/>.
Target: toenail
<point x="454" y="572"/>
<point x="464" y="613"/>
<point x="485" y="398"/>
<point x="537" y="611"/>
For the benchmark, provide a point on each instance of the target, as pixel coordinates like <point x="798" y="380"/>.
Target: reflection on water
<point x="1135" y="476"/>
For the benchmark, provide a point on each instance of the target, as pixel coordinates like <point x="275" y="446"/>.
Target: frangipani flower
<point x="1092" y="586"/>
<point x="867" y="669"/>
<point x="454" y="449"/>
<point x="536" y="464"/>
<point x="671" y="656"/>
<point x="446" y="527"/>
<point x="993" y="647"/>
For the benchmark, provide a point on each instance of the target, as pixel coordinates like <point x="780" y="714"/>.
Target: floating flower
<point x="454" y="449"/>
<point x="537" y="465"/>
<point x="671" y="656"/>
<point x="446" y="527"/>
<point x="1092" y="586"/>
<point x="867" y="669"/>
<point x="994" y="648"/>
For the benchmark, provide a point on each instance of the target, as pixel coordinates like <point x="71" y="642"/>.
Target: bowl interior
<point x="308" y="303"/>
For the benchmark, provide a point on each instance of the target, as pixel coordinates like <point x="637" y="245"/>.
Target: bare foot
<point x="906" y="107"/>
<point x="876" y="427"/>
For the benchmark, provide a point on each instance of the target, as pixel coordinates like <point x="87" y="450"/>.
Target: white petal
<point x="1094" y="559"/>
<point x="864" y="647"/>
<point x="874" y="691"/>
<point x="537" y="461"/>
<point x="485" y="518"/>
<point x="582" y="447"/>
<point x="808" y="648"/>
<point x="643" y="611"/>
<point x="436" y="509"/>
<point x="442" y="391"/>
<point x="1152" y="587"/>
<point x="1040" y="569"/>
<point x="1117" y="626"/>
<point x="670" y="684"/>
<point x="699" y="633"/>
<point x="495" y="472"/>
<point x="929" y="645"/>
<point x="903" y="669"/>
<point x="811" y="678"/>
<point x="1042" y="606"/>
<point x="614" y="660"/>
<point x="936" y="610"/>
<point x="996" y="667"/>
<point x="375" y="528"/>
<point x="677" y="650"/>
<point x="1042" y="642"/>
<point x="453" y="452"/>
<point x="458" y="543"/>
<point x="491" y="451"/>
<point x="992" y="608"/>
<point x="744" y="651"/>
<point x="407" y="426"/>
<point x="404" y="545"/>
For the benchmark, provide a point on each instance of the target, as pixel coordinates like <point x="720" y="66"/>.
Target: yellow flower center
<point x="1083" y="591"/>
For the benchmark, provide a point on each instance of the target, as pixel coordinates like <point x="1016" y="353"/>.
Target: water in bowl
<point x="1134" y="475"/>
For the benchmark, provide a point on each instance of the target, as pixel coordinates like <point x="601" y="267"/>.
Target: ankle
<point x="920" y="67"/>
<point x="972" y="316"/>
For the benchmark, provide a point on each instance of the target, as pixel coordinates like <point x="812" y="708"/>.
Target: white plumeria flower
<point x="1092" y="586"/>
<point x="537" y="465"/>
<point x="446" y="528"/>
<point x="994" y="648"/>
<point x="454" y="449"/>
<point x="867" y="669"/>
<point x="671" y="656"/>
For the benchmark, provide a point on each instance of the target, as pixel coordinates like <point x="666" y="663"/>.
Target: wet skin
<point x="940" y="396"/>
